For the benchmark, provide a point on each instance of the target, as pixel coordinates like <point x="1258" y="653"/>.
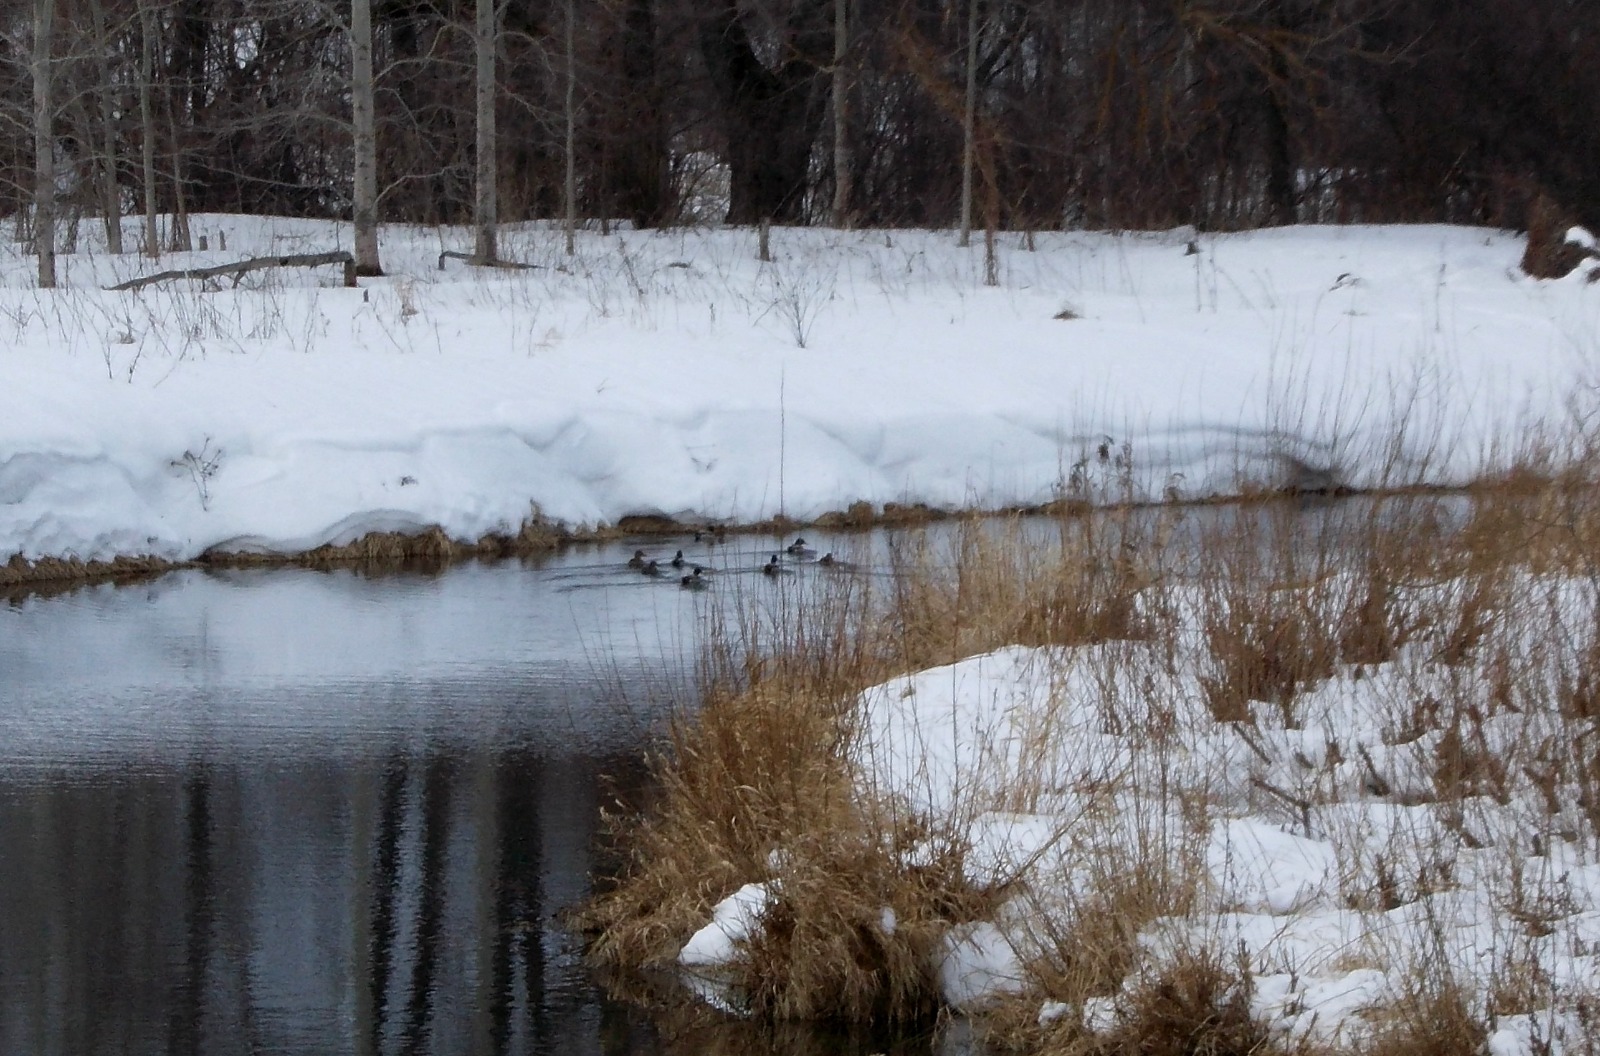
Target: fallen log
<point x="242" y="268"/>
<point x="479" y="262"/>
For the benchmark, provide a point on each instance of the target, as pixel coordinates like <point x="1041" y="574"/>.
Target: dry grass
<point x="429" y="550"/>
<point x="1435" y="1019"/>
<point x="1196" y="1005"/>
<point x="22" y="573"/>
<point x="763" y="764"/>
<point x="1478" y="607"/>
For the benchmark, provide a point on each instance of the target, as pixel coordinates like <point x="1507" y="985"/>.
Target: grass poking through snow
<point x="1257" y="778"/>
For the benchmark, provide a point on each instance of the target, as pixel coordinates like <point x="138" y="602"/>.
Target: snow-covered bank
<point x="1417" y="819"/>
<point x="663" y="373"/>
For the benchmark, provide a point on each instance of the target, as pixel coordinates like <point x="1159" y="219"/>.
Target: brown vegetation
<point x="757" y="783"/>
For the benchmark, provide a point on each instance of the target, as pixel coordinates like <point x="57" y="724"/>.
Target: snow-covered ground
<point x="1327" y="841"/>
<point x="672" y="373"/>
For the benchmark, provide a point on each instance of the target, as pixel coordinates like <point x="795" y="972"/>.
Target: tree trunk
<point x="181" y="241"/>
<point x="147" y="123"/>
<point x="486" y="211"/>
<point x="1279" y="150"/>
<point x="969" y="120"/>
<point x="841" y="115"/>
<point x="770" y="116"/>
<point x="364" y="135"/>
<point x="44" y="145"/>
<point x="570" y="184"/>
<point x="639" y="160"/>
<point x="110" y="193"/>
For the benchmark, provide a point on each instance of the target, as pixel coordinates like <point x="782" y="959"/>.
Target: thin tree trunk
<point x="841" y="115"/>
<point x="991" y="262"/>
<point x="571" y="191"/>
<point x="147" y="122"/>
<point x="969" y="123"/>
<point x="364" y="132"/>
<point x="181" y="240"/>
<point x="110" y="193"/>
<point x="486" y="213"/>
<point x="44" y="145"/>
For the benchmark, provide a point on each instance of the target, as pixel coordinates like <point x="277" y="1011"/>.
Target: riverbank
<point x="673" y="376"/>
<point x="1313" y="780"/>
<point x="433" y="549"/>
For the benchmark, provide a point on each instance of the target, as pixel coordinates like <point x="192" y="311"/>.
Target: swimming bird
<point x="637" y="560"/>
<point x="695" y="581"/>
<point x="677" y="559"/>
<point x="799" y="549"/>
<point x="650" y="568"/>
<point x="773" y="568"/>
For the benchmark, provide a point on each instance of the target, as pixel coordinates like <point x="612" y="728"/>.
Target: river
<point x="288" y="811"/>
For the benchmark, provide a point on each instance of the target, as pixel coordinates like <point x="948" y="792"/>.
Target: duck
<point x="637" y="560"/>
<point x="799" y="549"/>
<point x="773" y="567"/>
<point x="695" y="581"/>
<point x="677" y="559"/>
<point x="650" y="568"/>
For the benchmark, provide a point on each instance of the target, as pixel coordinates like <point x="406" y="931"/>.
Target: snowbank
<point x="1313" y="850"/>
<point x="663" y="373"/>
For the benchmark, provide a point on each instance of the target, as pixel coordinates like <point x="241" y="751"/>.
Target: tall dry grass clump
<point x="756" y="781"/>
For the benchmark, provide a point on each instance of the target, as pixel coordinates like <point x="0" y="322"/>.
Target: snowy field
<point x="672" y="373"/>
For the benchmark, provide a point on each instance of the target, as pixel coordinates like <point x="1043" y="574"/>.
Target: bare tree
<point x="969" y="120"/>
<point x="570" y="184"/>
<point x="770" y="97"/>
<point x="841" y="114"/>
<point x="364" y="140"/>
<point x="147" y="124"/>
<point x="44" y="143"/>
<point x="106" y="93"/>
<point x="485" y="211"/>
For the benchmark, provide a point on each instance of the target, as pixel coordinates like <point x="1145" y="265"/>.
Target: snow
<point x="662" y="373"/>
<point x="976" y="964"/>
<point x="734" y="921"/>
<point x="1049" y="775"/>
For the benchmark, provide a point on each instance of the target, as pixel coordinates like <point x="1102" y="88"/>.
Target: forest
<point x="1010" y="114"/>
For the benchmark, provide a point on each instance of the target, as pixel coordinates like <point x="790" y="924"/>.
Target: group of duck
<point x="695" y="576"/>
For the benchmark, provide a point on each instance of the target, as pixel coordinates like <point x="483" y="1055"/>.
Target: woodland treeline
<point x="1050" y="113"/>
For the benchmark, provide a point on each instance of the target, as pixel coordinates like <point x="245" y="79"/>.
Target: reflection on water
<point x="286" y="811"/>
<point x="401" y="905"/>
<point x="300" y="812"/>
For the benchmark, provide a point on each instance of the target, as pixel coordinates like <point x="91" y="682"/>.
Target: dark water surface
<point x="305" y="812"/>
<point x="302" y="812"/>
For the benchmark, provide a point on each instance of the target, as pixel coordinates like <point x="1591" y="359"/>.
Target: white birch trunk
<point x="364" y="134"/>
<point x="570" y="193"/>
<point x="841" y="114"/>
<point x="147" y="122"/>
<point x="486" y="208"/>
<point x="969" y="123"/>
<point x="110" y="193"/>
